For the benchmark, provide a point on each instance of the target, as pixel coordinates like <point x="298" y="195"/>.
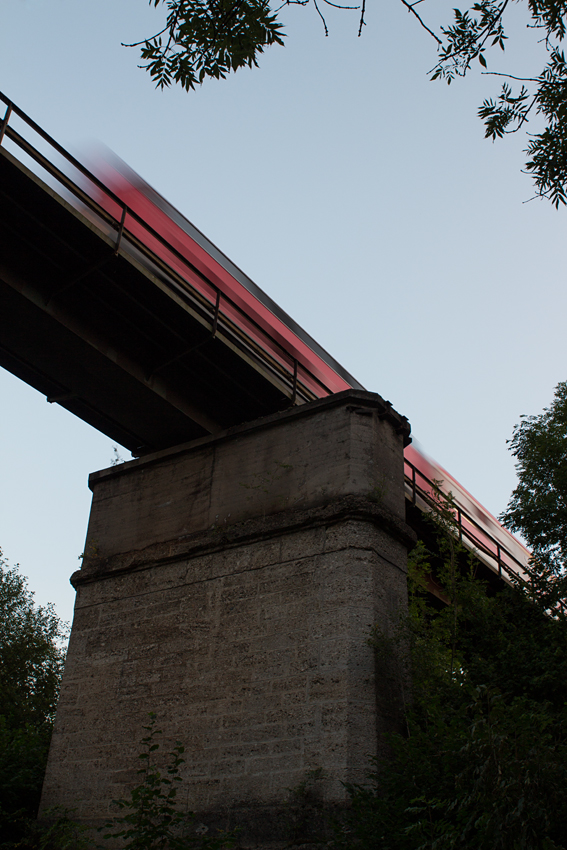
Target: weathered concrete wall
<point x="230" y="585"/>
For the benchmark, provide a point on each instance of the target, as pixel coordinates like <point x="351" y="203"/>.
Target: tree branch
<point x="328" y="2"/>
<point x="490" y="27"/>
<point x="145" y="41"/>
<point x="322" y="18"/>
<point x="525" y="115"/>
<point x="362" y="21"/>
<point x="510" y="77"/>
<point x="172" y="31"/>
<point x="291" y="3"/>
<point x="480" y="39"/>
<point x="410" y="8"/>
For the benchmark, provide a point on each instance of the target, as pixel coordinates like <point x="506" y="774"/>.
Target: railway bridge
<point x="234" y="567"/>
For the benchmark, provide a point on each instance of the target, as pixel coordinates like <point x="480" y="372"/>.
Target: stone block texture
<point x="230" y="585"/>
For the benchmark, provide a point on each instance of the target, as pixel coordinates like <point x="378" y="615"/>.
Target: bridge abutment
<point x="229" y="585"/>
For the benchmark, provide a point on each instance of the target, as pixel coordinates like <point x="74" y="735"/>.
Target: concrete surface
<point x="229" y="585"/>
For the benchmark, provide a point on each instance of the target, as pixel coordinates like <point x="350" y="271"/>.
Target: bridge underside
<point x="105" y="336"/>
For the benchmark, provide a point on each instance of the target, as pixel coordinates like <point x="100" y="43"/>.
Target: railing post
<point x="216" y="316"/>
<point x="5" y="122"/>
<point x="120" y="230"/>
<point x="294" y="390"/>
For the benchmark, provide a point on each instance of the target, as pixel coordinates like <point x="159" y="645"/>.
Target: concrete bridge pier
<point x="229" y="585"/>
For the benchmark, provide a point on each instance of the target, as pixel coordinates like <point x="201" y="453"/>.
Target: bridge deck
<point x="114" y="343"/>
<point x="105" y="317"/>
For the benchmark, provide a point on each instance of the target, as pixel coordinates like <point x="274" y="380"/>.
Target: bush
<point x="32" y="640"/>
<point x="483" y="761"/>
<point x="151" y="819"/>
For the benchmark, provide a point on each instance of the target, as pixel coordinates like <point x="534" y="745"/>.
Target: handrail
<point x="416" y="490"/>
<point x="289" y="369"/>
<point x="476" y="544"/>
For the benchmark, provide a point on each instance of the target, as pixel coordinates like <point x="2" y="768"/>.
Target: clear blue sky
<point x="360" y="196"/>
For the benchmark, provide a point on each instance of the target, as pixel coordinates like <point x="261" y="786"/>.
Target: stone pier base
<point x="229" y="585"/>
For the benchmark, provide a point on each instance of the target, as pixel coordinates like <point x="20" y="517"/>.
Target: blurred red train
<point x="162" y="229"/>
<point x="182" y="247"/>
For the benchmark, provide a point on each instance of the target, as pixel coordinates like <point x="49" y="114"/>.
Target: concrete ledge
<point x="350" y="444"/>
<point x="222" y="538"/>
<point x="359" y="401"/>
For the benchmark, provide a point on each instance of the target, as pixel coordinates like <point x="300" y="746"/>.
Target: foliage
<point x="538" y="506"/>
<point x="152" y="820"/>
<point x="31" y="665"/>
<point x="58" y="831"/>
<point x="23" y="755"/>
<point x="31" y="653"/>
<point x="306" y="819"/>
<point x="210" y="38"/>
<point x="477" y="30"/>
<point x="483" y="763"/>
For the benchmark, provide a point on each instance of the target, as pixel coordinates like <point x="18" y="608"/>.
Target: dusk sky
<point x="360" y="196"/>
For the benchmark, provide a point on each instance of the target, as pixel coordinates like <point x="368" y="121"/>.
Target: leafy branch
<point x="152" y="819"/>
<point x="468" y="39"/>
<point x="205" y="39"/>
<point x="208" y="38"/>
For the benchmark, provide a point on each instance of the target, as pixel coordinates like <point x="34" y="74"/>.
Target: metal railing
<point x="469" y="531"/>
<point x="274" y="357"/>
